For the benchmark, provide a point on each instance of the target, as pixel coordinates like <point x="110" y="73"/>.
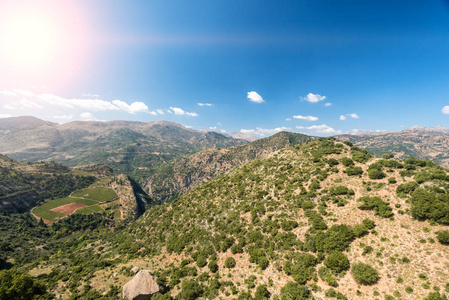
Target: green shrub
<point x="213" y="266"/>
<point x="262" y="293"/>
<point x="359" y="230"/>
<point x="347" y="161"/>
<point x="190" y="290"/>
<point x="443" y="237"/>
<point x="376" y="174"/>
<point x="380" y="207"/>
<point x="427" y="204"/>
<point x="230" y="262"/>
<point x="336" y="238"/>
<point x="18" y="285"/>
<point x="237" y="248"/>
<point x="201" y="261"/>
<point x="435" y="296"/>
<point x="337" y="261"/>
<point x="293" y="290"/>
<point x="354" y="171"/>
<point x="369" y="224"/>
<point x="364" y="274"/>
<point x="340" y="190"/>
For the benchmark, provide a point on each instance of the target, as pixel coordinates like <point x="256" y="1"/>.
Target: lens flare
<point x="41" y="42"/>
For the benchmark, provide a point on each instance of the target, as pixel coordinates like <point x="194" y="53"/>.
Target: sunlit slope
<point x="324" y="215"/>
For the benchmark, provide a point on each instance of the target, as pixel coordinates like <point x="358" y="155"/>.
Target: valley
<point x="269" y="221"/>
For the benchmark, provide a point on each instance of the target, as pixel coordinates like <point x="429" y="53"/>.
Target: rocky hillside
<point x="182" y="175"/>
<point x="322" y="220"/>
<point x="133" y="148"/>
<point x="24" y="185"/>
<point x="421" y="142"/>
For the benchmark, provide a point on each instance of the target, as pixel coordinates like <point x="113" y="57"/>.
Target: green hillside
<point x="180" y="176"/>
<point x="322" y="219"/>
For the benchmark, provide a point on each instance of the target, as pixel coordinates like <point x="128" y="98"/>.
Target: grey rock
<point x="141" y="287"/>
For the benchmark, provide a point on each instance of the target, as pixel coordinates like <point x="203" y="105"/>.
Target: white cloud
<point x="5" y="116"/>
<point x="354" y="116"/>
<point x="213" y="128"/>
<point x="64" y="117"/>
<point x="25" y="103"/>
<point x="160" y="111"/>
<point x="254" y="97"/>
<point x="24" y="93"/>
<point x="7" y="106"/>
<point x="288" y="119"/>
<point x="300" y="127"/>
<point x="308" y="118"/>
<point x="323" y="129"/>
<point x="222" y="131"/>
<point x="204" y="104"/>
<point x="133" y="108"/>
<point x="328" y="104"/>
<point x="90" y="95"/>
<point x="7" y="93"/>
<point x="314" y="98"/>
<point x="180" y="112"/>
<point x="42" y="100"/>
<point x="445" y="110"/>
<point x="264" y="132"/>
<point x="87" y="116"/>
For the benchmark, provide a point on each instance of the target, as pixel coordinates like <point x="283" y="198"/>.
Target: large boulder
<point x="141" y="287"/>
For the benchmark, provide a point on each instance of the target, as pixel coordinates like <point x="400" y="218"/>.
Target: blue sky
<point x="372" y="65"/>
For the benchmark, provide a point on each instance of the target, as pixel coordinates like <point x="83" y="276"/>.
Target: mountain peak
<point x="436" y="129"/>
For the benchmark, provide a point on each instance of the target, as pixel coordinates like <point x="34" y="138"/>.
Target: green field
<point x="88" y="210"/>
<point x="90" y="197"/>
<point x="117" y="213"/>
<point x="44" y="211"/>
<point x="101" y="194"/>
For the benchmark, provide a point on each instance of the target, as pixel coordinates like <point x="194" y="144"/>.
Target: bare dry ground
<point x="68" y="209"/>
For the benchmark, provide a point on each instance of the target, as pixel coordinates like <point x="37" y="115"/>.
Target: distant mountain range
<point x="133" y="148"/>
<point x="430" y="143"/>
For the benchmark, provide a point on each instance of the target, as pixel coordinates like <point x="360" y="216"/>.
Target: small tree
<point x="190" y="290"/>
<point x="376" y="174"/>
<point x="262" y="292"/>
<point x="337" y="261"/>
<point x="443" y="237"/>
<point x="213" y="266"/>
<point x="364" y="274"/>
<point x="230" y="262"/>
<point x="293" y="290"/>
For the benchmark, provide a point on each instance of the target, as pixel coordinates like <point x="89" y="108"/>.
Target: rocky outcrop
<point x="141" y="287"/>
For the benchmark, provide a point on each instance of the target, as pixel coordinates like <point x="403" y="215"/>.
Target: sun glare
<point x="30" y="40"/>
<point x="41" y="42"/>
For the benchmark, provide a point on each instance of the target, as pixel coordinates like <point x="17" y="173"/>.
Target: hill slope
<point x="182" y="175"/>
<point x="133" y="148"/>
<point x="320" y="219"/>
<point x="24" y="185"/>
<point x="421" y="142"/>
